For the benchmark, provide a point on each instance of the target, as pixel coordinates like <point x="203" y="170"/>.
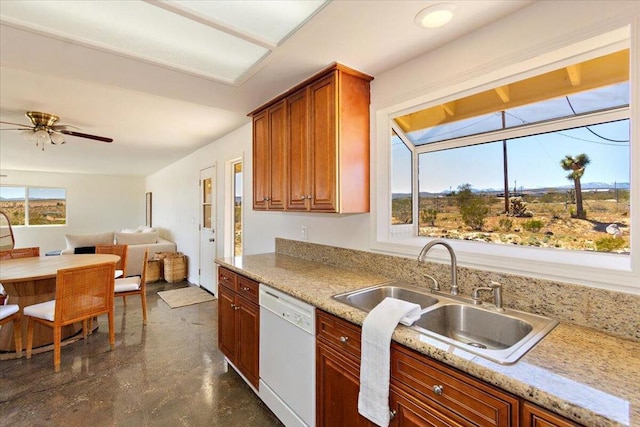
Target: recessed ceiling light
<point x="435" y="16"/>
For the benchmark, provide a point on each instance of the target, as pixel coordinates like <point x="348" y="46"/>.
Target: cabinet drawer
<point x="227" y="278"/>
<point x="534" y="416"/>
<point x="248" y="288"/>
<point x="340" y="333"/>
<point x="468" y="400"/>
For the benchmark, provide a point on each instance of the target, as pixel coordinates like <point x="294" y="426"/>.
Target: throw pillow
<point x="145" y="229"/>
<point x="81" y="240"/>
<point x="85" y="250"/>
<point x="136" y="238"/>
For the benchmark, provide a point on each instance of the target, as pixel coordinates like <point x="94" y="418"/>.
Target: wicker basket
<point x="153" y="270"/>
<point x="175" y="267"/>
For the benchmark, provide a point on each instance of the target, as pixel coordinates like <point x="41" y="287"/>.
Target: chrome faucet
<point x="454" y="263"/>
<point x="496" y="288"/>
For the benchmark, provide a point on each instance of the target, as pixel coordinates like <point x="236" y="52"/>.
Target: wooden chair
<point x="15" y="254"/>
<point x="20" y="253"/>
<point x="121" y="251"/>
<point x="11" y="313"/>
<point x="135" y="285"/>
<point x="81" y="294"/>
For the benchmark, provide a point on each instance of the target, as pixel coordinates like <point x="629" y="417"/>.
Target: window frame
<point x="595" y="269"/>
<point x="229" y="204"/>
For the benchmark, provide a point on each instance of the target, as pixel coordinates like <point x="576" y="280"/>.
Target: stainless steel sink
<point x="366" y="299"/>
<point x="501" y="336"/>
<point x="475" y="327"/>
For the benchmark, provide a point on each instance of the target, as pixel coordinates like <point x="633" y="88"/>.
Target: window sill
<point x="594" y="269"/>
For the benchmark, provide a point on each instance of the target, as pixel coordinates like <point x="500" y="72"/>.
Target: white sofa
<point x="137" y="242"/>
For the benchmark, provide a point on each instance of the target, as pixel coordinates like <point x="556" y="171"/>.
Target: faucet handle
<point x="497" y="294"/>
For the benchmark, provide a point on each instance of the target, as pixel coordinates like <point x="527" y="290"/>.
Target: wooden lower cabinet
<point x="239" y="323"/>
<point x="338" y="384"/>
<point x="451" y="393"/>
<point x="423" y="392"/>
<point x="226" y="322"/>
<point x="534" y="416"/>
<point x="409" y="412"/>
<point x="248" y="326"/>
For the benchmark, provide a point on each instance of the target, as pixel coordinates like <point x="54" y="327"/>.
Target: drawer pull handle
<point x="245" y="288"/>
<point x="237" y="307"/>
<point x="438" y="389"/>
<point x="233" y="306"/>
<point x="392" y="414"/>
<point x="344" y="339"/>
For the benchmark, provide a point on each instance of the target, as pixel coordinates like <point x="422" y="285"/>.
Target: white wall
<point x="95" y="203"/>
<point x="176" y="204"/>
<point x="537" y="29"/>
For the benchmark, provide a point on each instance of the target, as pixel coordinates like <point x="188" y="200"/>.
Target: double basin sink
<point x="501" y="336"/>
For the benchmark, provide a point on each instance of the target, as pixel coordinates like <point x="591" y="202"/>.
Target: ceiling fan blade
<point x="16" y="129"/>
<point x="85" y="135"/>
<point x="58" y="128"/>
<point x="17" y="124"/>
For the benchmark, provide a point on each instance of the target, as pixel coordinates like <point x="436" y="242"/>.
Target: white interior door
<point x="208" y="231"/>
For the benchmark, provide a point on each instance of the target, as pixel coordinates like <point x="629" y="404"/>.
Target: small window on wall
<point x="33" y="206"/>
<point x="237" y="209"/>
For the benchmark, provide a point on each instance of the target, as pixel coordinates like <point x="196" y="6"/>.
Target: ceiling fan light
<point x="28" y="135"/>
<point x="57" y="138"/>
<point x="42" y="136"/>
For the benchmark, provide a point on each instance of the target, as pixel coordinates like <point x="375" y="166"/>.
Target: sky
<point x="533" y="161"/>
<point x="34" y="193"/>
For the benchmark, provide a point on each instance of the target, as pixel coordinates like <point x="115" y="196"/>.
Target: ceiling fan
<point x="43" y="129"/>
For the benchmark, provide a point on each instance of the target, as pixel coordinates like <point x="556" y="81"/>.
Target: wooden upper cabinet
<point x="277" y="139"/>
<point x="298" y="151"/>
<point x="326" y="144"/>
<point x="269" y="145"/>
<point x="260" y="165"/>
<point x="323" y="144"/>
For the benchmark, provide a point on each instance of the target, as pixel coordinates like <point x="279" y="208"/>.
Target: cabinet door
<point x="298" y="151"/>
<point x="534" y="416"/>
<point x="337" y="388"/>
<point x="277" y="152"/>
<point x="323" y="142"/>
<point x="226" y="322"/>
<point x="248" y="328"/>
<point x="261" y="159"/>
<point x="458" y="395"/>
<point x="408" y="412"/>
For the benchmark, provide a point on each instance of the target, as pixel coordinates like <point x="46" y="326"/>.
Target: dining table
<point x="29" y="281"/>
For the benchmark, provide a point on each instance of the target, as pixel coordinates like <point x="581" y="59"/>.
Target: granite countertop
<point x="580" y="373"/>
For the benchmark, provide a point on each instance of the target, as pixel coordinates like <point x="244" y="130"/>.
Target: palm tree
<point x="576" y="166"/>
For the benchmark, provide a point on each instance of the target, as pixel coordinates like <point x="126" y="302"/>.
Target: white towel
<point x="377" y="329"/>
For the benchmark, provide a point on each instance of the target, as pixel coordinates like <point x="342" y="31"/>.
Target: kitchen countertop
<point x="580" y="373"/>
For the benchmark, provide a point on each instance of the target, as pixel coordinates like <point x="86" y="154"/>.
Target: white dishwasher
<point x="287" y="357"/>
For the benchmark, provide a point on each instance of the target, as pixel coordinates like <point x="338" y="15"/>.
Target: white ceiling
<point x="159" y="107"/>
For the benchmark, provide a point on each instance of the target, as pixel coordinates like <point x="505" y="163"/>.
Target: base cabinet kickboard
<point x="423" y="392"/>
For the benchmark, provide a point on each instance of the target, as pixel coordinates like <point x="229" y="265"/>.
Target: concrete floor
<point x="169" y="373"/>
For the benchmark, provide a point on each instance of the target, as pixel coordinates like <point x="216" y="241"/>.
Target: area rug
<point x="185" y="296"/>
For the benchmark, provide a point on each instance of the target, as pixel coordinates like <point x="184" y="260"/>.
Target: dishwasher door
<point x="287" y="358"/>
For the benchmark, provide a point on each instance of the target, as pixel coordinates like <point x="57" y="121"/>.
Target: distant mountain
<point x="585" y="186"/>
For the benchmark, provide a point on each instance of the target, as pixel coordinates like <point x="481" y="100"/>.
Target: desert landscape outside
<point x="43" y="206"/>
